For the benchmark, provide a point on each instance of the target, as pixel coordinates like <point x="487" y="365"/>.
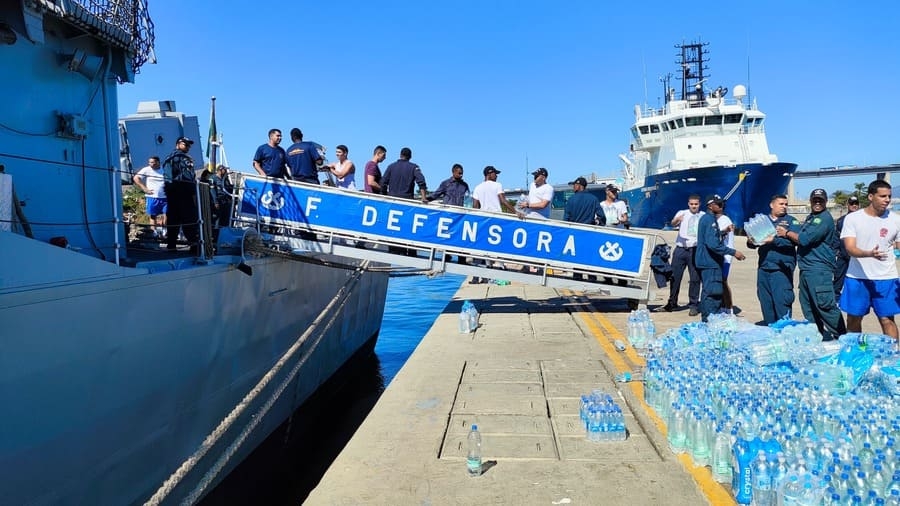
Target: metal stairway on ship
<point x="306" y="220"/>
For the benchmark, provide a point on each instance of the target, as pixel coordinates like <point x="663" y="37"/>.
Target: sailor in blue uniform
<point x="709" y="257"/>
<point x="816" y="256"/>
<point x="777" y="261"/>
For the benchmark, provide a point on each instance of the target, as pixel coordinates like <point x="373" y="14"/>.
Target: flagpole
<point x="211" y="142"/>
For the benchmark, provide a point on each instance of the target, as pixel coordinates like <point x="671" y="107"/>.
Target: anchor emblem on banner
<point x="611" y="251"/>
<point x="272" y="201"/>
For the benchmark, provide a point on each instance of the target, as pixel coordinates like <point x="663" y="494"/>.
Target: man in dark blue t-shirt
<point x="270" y="157"/>
<point x="303" y="159"/>
<point x="402" y="176"/>
<point x="582" y="207"/>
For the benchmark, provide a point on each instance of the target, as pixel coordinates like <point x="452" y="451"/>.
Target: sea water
<point x="280" y="470"/>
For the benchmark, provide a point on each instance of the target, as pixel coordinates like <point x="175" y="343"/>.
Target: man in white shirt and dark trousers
<point x="488" y="196"/>
<point x="683" y="256"/>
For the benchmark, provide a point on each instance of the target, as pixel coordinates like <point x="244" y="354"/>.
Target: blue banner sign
<point x="446" y="227"/>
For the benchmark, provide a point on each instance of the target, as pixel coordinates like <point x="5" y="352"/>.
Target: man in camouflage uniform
<point x="181" y="192"/>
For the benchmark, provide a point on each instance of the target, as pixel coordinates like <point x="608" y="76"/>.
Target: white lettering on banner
<point x="369" y="216"/>
<point x="494" y="234"/>
<point x="418" y="221"/>
<point x="443" y="230"/>
<point x="393" y="219"/>
<point x="544" y="240"/>
<point x="519" y="238"/>
<point x="569" y="248"/>
<point x="311" y="204"/>
<point x="469" y="231"/>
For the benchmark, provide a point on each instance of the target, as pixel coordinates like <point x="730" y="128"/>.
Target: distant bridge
<point x="876" y="171"/>
<point x="880" y="171"/>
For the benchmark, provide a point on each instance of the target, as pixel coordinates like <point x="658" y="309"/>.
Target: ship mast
<point x="693" y="60"/>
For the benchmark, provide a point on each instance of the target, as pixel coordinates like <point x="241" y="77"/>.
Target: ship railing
<point x="676" y="107"/>
<point x="314" y="220"/>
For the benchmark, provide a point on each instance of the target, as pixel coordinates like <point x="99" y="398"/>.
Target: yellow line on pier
<point x="606" y="333"/>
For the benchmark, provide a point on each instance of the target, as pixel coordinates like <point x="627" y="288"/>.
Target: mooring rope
<point x="328" y="316"/>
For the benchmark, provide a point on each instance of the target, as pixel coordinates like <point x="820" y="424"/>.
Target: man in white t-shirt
<point x="683" y="256"/>
<point x="151" y="180"/>
<point x="488" y="196"/>
<point x="871" y="236"/>
<point x="615" y="210"/>
<point x="540" y="196"/>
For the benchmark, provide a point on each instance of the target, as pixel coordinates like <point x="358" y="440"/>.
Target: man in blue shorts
<point x="269" y="159"/>
<point x="870" y="236"/>
<point x="151" y="180"/>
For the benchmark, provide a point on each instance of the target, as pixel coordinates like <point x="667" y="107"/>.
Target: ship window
<point x="654" y="129"/>
<point x="759" y="121"/>
<point x="733" y="118"/>
<point x="671" y="125"/>
<point x="665" y="127"/>
<point x="644" y="129"/>
<point x="689" y="146"/>
<point x="679" y="122"/>
<point x="634" y="133"/>
<point x="693" y="120"/>
<point x="714" y="120"/>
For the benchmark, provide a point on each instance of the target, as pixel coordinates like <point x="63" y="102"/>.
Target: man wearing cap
<point x="488" y="196"/>
<point x="454" y="189"/>
<point x="777" y="261"/>
<point x="842" y="258"/>
<point x="540" y="195"/>
<point x="582" y="207"/>
<point x="269" y="159"/>
<point x="816" y="258"/>
<point x="615" y="210"/>
<point x="687" y="221"/>
<point x="181" y="196"/>
<point x="872" y="236"/>
<point x="710" y="257"/>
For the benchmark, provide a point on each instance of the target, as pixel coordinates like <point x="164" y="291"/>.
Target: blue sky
<point x="520" y="83"/>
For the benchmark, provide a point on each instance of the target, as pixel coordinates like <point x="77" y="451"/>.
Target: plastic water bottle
<point x="473" y="318"/>
<point x="467" y="200"/>
<point x="763" y="494"/>
<point x="721" y="458"/>
<point x="473" y="457"/>
<point x="742" y="485"/>
<point x="465" y="318"/>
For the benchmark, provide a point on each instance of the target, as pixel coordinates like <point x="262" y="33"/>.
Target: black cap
<point x="853" y="200"/>
<point x="184" y="140"/>
<point x="580" y="180"/>
<point x="818" y="193"/>
<point x="490" y="169"/>
<point x="613" y="188"/>
<point x="540" y="172"/>
<point x="715" y="199"/>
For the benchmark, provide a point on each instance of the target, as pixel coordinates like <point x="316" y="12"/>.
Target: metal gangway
<point x="306" y="219"/>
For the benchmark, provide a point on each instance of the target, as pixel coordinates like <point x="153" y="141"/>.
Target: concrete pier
<point x="519" y="376"/>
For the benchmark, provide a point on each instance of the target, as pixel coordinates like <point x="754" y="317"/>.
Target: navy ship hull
<point x="750" y="186"/>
